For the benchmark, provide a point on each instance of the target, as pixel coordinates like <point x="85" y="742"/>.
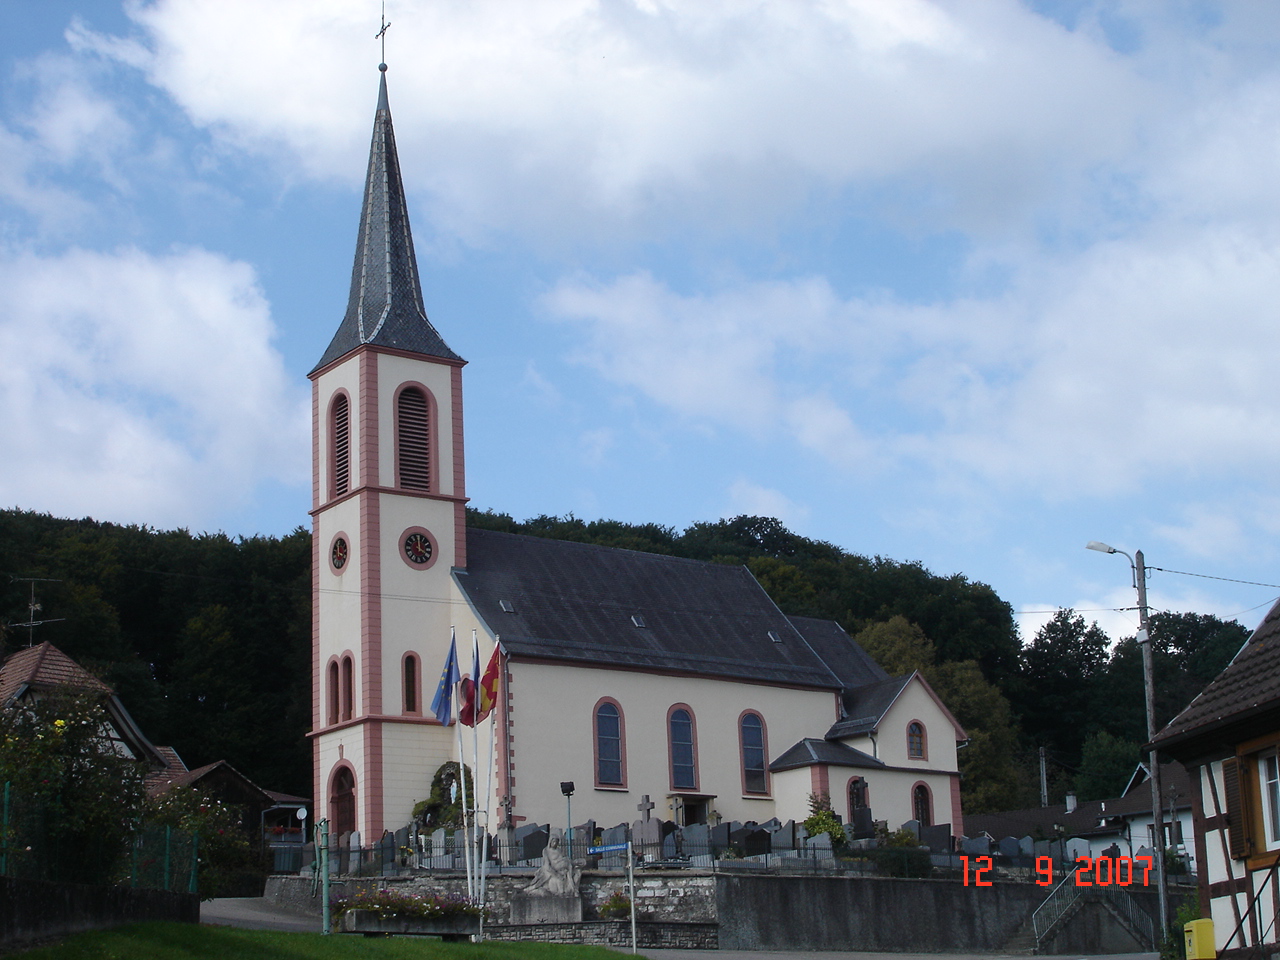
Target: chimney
<point x="1071" y="803"/>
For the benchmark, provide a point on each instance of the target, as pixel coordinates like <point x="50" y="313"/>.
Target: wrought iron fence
<point x="36" y="845"/>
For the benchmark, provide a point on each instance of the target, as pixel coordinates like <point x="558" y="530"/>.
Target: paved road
<point x="258" y="913"/>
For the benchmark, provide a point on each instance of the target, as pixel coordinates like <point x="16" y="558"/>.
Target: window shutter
<point x="341" y="445"/>
<point x="414" y="466"/>
<point x="1233" y="773"/>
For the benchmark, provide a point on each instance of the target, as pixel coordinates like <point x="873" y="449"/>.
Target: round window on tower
<point x="418" y="548"/>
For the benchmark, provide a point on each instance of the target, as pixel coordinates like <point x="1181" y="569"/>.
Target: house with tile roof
<point x="1228" y="738"/>
<point x="42" y="670"/>
<point x="632" y="675"/>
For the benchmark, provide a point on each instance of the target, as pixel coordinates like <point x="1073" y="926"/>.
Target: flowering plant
<point x="392" y="903"/>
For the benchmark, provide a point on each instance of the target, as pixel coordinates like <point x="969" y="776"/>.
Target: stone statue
<point x="557" y="877"/>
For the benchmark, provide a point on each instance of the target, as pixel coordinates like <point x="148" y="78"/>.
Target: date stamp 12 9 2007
<point x="1089" y="872"/>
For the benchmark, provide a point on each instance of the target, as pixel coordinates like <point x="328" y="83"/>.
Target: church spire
<point x="385" y="305"/>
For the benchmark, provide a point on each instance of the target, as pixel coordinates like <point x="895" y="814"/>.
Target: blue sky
<point x="969" y="284"/>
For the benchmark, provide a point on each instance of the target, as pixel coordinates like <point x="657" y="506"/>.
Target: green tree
<point x="1106" y="765"/>
<point x="79" y="797"/>
<point x="226" y="854"/>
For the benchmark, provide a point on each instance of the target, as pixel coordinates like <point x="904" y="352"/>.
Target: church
<point x="633" y="675"/>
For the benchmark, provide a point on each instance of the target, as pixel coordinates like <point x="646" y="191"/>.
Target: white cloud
<point x="751" y="499"/>
<point x="142" y="388"/>
<point x="549" y="115"/>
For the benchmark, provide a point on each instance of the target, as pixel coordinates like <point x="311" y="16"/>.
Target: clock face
<point x="339" y="553"/>
<point x="417" y="548"/>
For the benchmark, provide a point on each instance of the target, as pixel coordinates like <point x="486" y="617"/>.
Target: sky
<point x="969" y="284"/>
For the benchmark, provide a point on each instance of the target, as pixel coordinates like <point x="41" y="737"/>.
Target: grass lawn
<point x="183" y="941"/>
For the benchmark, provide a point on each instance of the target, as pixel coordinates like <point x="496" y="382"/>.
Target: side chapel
<point x="630" y="674"/>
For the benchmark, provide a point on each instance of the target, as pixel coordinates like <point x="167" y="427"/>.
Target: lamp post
<point x="1139" y="569"/>
<point x="566" y="787"/>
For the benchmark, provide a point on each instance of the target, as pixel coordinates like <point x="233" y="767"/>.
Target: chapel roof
<point x="866" y="705"/>
<point x="563" y="601"/>
<point x="44" y="667"/>
<point x="385" y="306"/>
<point x="840" y="652"/>
<point x="811" y="750"/>
<point x="1243" y="700"/>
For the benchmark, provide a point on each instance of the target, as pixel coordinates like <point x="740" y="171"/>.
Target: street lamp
<point x="566" y="787"/>
<point x="1139" y="569"/>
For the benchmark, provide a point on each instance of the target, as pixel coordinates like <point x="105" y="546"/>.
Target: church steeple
<point x="385" y="305"/>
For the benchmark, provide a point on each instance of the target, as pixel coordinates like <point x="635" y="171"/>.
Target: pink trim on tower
<point x="459" y="471"/>
<point x="370" y="542"/>
<point x="373" y="778"/>
<point x="820" y="779"/>
<point x="315" y="446"/>
<point x="433" y="446"/>
<point x="957" y="817"/>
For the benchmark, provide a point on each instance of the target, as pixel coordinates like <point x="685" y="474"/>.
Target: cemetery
<point x="734" y="885"/>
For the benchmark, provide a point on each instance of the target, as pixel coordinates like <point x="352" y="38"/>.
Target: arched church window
<point x="333" y="692"/>
<point x="752" y="742"/>
<point x="342" y="801"/>
<point x="348" y="688"/>
<point x="922" y="805"/>
<point x="413" y="439"/>
<point x="341" y="440"/>
<point x="915" y="740"/>
<point x="411" y="684"/>
<point x="610" y="755"/>
<point x="684" y="754"/>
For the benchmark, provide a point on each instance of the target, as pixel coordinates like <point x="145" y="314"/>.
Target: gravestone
<point x="533" y="843"/>
<point x="819" y="847"/>
<point x="1009" y="847"/>
<point x="646" y="838"/>
<point x="1027" y="847"/>
<point x="862" y="825"/>
<point x="753" y="841"/>
<point x="937" y="838"/>
<point x="975" y="846"/>
<point x="583" y="837"/>
<point x="612" y="836"/>
<point x="671" y="845"/>
<point x="720" y="836"/>
<point x="696" y="840"/>
<point x="914" y="827"/>
<point x="1077" y="847"/>
<point x="773" y="823"/>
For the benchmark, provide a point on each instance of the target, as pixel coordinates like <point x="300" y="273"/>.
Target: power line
<point x="1205" y="576"/>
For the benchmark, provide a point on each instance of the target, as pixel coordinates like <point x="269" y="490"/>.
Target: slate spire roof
<point x="385" y="305"/>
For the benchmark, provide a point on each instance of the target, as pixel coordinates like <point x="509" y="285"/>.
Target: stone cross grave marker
<point x="644" y="806"/>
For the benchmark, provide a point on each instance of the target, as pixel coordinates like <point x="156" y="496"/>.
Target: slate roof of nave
<point x="575" y="602"/>
<point x="1244" y="697"/>
<point x="385" y="306"/>
<point x="45" y="667"/>
<point x="812" y="750"/>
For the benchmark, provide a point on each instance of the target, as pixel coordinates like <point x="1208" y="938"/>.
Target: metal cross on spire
<point x="382" y="34"/>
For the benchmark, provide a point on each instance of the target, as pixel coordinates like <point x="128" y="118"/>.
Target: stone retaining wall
<point x="612" y="933"/>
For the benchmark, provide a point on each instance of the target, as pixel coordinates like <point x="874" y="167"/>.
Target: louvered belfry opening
<point x="415" y="466"/>
<point x="341" y="445"/>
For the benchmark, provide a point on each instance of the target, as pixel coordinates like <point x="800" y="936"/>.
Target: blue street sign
<point x="607" y="849"/>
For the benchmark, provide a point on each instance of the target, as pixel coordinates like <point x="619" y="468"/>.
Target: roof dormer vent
<point x="773" y="635"/>
<point x="506" y="606"/>
<point x="637" y="620"/>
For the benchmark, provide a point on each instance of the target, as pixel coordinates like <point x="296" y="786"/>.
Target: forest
<point x="207" y="640"/>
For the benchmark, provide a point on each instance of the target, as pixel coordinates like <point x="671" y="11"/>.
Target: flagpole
<point x="488" y="798"/>
<point x="475" y="749"/>
<point x="462" y="779"/>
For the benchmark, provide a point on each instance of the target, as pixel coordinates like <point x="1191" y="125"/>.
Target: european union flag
<point x="442" y="705"/>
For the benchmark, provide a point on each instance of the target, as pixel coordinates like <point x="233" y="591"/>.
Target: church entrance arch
<point x="342" y="802"/>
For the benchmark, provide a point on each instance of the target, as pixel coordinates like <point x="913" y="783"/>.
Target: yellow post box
<point x="1200" y="940"/>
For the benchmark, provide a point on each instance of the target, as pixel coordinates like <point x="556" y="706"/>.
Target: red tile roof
<point x="45" y="667"/>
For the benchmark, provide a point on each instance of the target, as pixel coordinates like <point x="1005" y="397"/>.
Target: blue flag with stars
<point x="442" y="705"/>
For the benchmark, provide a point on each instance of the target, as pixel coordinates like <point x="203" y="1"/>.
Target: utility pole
<point x="33" y="608"/>
<point x="1044" y="781"/>
<point x="1148" y="679"/>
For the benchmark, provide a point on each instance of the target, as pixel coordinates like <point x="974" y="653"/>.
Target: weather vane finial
<point x="382" y="34"/>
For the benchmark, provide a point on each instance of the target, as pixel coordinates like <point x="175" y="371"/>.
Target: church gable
<point x="556" y="600"/>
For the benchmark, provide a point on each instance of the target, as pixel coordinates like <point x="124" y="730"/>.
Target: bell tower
<point x="388" y="521"/>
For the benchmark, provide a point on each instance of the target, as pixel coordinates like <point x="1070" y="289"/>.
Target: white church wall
<point x="553" y="714"/>
<point x="791" y="789"/>
<point x="915" y="703"/>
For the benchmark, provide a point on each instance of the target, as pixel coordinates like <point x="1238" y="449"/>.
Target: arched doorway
<point x="342" y="802"/>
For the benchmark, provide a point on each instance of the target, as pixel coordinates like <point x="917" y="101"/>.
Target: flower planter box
<point x="371" y="924"/>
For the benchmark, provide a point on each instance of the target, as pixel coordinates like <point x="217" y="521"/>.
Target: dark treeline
<point x="207" y="640"/>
